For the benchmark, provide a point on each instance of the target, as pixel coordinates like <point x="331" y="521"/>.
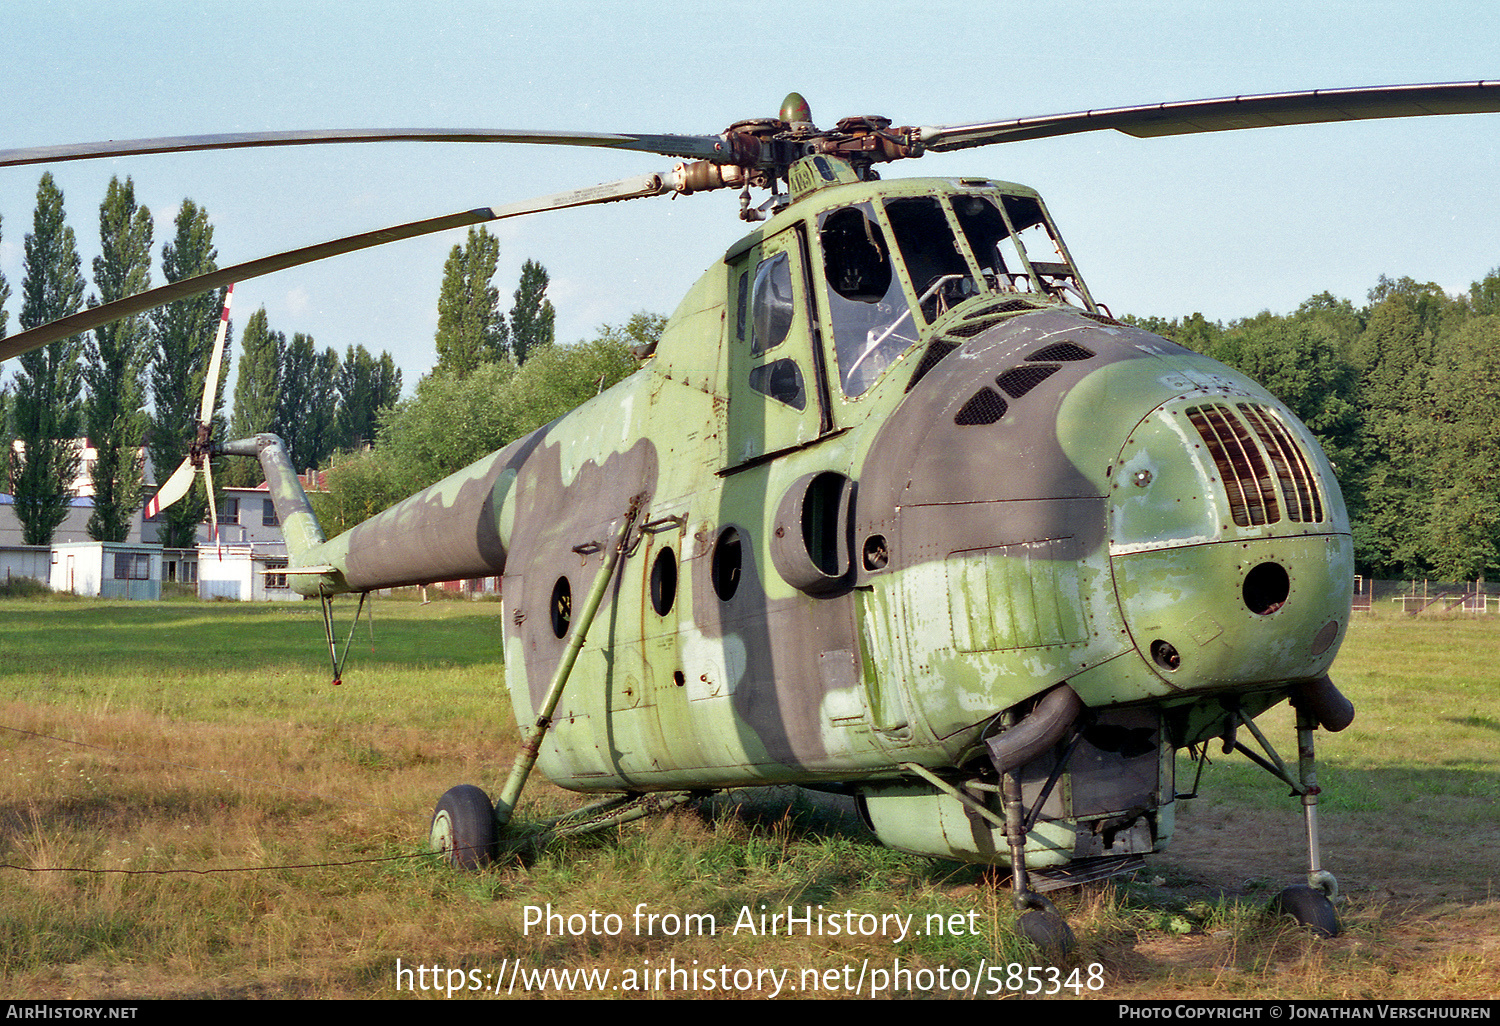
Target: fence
<point x="1416" y="598"/>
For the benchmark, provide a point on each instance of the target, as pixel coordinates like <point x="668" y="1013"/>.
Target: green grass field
<point x="189" y="808"/>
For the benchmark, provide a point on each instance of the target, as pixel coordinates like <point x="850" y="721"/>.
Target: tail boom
<point x="453" y="530"/>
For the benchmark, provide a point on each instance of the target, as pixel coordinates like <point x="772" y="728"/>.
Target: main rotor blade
<point x="84" y="320"/>
<point x="1231" y="112"/>
<point x="698" y="147"/>
<point x="630" y="188"/>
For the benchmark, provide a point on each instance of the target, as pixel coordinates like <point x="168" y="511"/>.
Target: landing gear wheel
<point x="463" y="828"/>
<point x="1048" y="931"/>
<point x="1310" y="907"/>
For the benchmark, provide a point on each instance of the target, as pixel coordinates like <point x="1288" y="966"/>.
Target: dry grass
<point x="190" y="810"/>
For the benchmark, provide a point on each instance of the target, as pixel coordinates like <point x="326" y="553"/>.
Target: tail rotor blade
<point x="213" y="512"/>
<point x="176" y="487"/>
<point x="211" y="379"/>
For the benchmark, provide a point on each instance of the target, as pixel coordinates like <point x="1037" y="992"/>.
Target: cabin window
<point x="663" y="581"/>
<point x="725" y="567"/>
<point x="560" y="607"/>
<point x="772" y="306"/>
<point x="268" y="514"/>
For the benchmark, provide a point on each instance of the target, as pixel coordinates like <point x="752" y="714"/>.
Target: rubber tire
<point x="463" y="828"/>
<point x="1048" y="931"/>
<point x="1309" y="907"/>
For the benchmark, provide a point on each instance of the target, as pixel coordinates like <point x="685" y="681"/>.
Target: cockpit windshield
<point x="1006" y="251"/>
<point x="939" y="271"/>
<point x="1002" y="243"/>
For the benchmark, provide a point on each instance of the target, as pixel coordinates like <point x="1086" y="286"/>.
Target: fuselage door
<point x="777" y="399"/>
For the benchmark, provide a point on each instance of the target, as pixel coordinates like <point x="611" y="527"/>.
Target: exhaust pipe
<point x="1328" y="705"/>
<point x="1043" y="728"/>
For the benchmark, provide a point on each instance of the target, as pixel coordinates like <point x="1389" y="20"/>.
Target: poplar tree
<point x="257" y="391"/>
<point x="308" y="414"/>
<point x="115" y="361"/>
<point x="48" y="417"/>
<point x="366" y="387"/>
<point x="5" y="396"/>
<point x="386" y="387"/>
<point x="4" y="292"/>
<point x="471" y="329"/>
<point x="257" y="394"/>
<point x="183" y="343"/>
<point x="532" y="318"/>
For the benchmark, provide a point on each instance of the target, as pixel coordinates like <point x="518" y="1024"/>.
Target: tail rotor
<point x="200" y="450"/>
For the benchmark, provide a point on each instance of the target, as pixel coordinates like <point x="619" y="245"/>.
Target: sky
<point x="1226" y="224"/>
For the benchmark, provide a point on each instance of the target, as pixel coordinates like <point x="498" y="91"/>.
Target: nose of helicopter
<point x="1229" y="546"/>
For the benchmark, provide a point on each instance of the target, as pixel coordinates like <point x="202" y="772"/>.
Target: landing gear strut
<point x="1037" y="917"/>
<point x="466" y="826"/>
<point x="1318" y="704"/>
<point x="1312" y="905"/>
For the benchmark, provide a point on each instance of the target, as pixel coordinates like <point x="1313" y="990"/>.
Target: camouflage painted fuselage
<point x="836" y="575"/>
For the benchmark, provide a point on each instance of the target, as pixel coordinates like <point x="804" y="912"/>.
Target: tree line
<point x="1403" y="392"/>
<point x="136" y="385"/>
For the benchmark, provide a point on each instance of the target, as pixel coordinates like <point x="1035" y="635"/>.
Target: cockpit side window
<point x="856" y="259"/>
<point x="1032" y="231"/>
<point x="867" y="308"/>
<point x="990" y="240"/>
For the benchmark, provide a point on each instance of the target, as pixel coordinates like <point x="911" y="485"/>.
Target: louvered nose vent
<point x="1060" y="352"/>
<point x="985" y="407"/>
<point x="1266" y="474"/>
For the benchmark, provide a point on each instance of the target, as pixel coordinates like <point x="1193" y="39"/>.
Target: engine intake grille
<point x="1266" y="474"/>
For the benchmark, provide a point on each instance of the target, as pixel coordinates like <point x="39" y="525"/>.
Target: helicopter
<point x="893" y="508"/>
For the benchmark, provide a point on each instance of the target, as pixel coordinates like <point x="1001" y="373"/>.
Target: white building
<point x="242" y="563"/>
<point x="107" y="569"/>
<point x="249" y="542"/>
<point x="34" y="561"/>
<point x="243" y="573"/>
